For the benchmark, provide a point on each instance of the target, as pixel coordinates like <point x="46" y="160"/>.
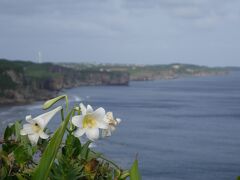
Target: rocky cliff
<point x="24" y="82"/>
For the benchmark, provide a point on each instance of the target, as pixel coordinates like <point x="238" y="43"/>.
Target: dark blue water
<point x="181" y="129"/>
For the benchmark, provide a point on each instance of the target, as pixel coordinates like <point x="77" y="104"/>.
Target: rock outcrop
<point x="24" y="82"/>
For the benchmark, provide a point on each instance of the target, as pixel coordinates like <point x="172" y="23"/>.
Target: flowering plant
<point x="30" y="152"/>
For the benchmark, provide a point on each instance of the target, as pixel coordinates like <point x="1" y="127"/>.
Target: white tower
<point x="39" y="57"/>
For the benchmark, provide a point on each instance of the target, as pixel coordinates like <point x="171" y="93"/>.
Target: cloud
<point x="111" y="16"/>
<point x="119" y="29"/>
<point x="196" y="11"/>
<point x="96" y="18"/>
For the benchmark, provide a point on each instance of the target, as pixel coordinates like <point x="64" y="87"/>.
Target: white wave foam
<point x="77" y="98"/>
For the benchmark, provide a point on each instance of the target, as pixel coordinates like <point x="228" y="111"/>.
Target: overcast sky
<point x="205" y="32"/>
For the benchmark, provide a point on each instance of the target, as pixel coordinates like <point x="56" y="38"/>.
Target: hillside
<point x="152" y="72"/>
<point x="23" y="82"/>
<point x="173" y="71"/>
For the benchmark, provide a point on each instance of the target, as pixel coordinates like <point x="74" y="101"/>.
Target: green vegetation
<point x="29" y="69"/>
<point x="172" y="71"/>
<point x="8" y="65"/>
<point x="150" y="72"/>
<point x="25" y="157"/>
<point x="41" y="71"/>
<point x="12" y="71"/>
<point x="6" y="82"/>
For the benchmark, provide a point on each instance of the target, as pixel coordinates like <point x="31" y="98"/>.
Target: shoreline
<point x="52" y="94"/>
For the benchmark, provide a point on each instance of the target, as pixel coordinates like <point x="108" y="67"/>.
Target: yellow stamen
<point x="36" y="128"/>
<point x="89" y="122"/>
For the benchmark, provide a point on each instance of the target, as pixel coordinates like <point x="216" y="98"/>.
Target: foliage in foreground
<point x="29" y="153"/>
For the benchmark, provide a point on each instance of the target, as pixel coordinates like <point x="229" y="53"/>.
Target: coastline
<point x="44" y="95"/>
<point x="24" y="82"/>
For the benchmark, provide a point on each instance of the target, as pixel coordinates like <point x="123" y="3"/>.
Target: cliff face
<point x="23" y="82"/>
<point x="69" y="78"/>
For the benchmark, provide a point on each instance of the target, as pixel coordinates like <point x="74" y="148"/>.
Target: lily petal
<point x="99" y="114"/>
<point x="27" y="129"/>
<point x="107" y="120"/>
<point x="43" y="119"/>
<point x="109" y="115"/>
<point x="23" y="132"/>
<point x="118" y="120"/>
<point x="89" y="109"/>
<point x="79" y="132"/>
<point x="33" y="138"/>
<point x="77" y="120"/>
<point x="102" y="124"/>
<point x="92" y="133"/>
<point x="83" y="109"/>
<point x="29" y="118"/>
<point x="43" y="135"/>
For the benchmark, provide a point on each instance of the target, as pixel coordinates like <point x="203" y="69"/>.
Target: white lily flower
<point x="35" y="126"/>
<point x="112" y="123"/>
<point x="89" y="122"/>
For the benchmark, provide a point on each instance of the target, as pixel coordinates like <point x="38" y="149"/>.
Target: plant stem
<point x="125" y="174"/>
<point x="62" y="114"/>
<point x="109" y="161"/>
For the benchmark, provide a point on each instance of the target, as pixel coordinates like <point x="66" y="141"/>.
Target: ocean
<point x="187" y="128"/>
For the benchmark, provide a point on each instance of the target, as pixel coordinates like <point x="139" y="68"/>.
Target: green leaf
<point x="134" y="171"/>
<point x="94" y="155"/>
<point x="8" y="132"/>
<point x="48" y="157"/>
<point x="51" y="102"/>
<point x="22" y="154"/>
<point x="124" y="175"/>
<point x="72" y="146"/>
<point x="17" y="130"/>
<point x="65" y="168"/>
<point x="9" y="147"/>
<point x="85" y="150"/>
<point x="19" y="177"/>
<point x="66" y="99"/>
<point x="3" y="173"/>
<point x="13" y="129"/>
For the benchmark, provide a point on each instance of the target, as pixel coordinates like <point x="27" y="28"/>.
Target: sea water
<point x="186" y="128"/>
